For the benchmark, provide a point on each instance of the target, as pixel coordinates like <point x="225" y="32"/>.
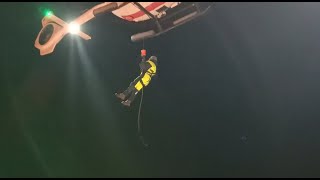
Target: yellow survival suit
<point x="148" y="70"/>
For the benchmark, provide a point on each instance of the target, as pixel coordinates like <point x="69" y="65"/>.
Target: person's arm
<point x="144" y="66"/>
<point x="143" y="59"/>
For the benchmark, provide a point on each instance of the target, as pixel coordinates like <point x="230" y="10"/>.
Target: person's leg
<point x="129" y="90"/>
<point x="131" y="98"/>
<point x="136" y="88"/>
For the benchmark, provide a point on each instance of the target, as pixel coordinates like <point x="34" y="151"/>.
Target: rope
<point x="139" y="119"/>
<point x="139" y="122"/>
<point x="143" y="43"/>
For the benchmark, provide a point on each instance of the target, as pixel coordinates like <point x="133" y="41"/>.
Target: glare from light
<point x="74" y="28"/>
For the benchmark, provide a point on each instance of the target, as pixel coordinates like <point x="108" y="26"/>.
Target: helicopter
<point x="164" y="15"/>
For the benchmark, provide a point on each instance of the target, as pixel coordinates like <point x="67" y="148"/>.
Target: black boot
<point x="121" y="96"/>
<point x="126" y="103"/>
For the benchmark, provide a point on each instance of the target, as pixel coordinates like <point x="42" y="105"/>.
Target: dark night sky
<point x="237" y="95"/>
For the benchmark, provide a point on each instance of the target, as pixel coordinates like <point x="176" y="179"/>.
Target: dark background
<point x="237" y="95"/>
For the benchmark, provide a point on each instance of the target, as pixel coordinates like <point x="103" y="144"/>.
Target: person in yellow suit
<point x="148" y="70"/>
